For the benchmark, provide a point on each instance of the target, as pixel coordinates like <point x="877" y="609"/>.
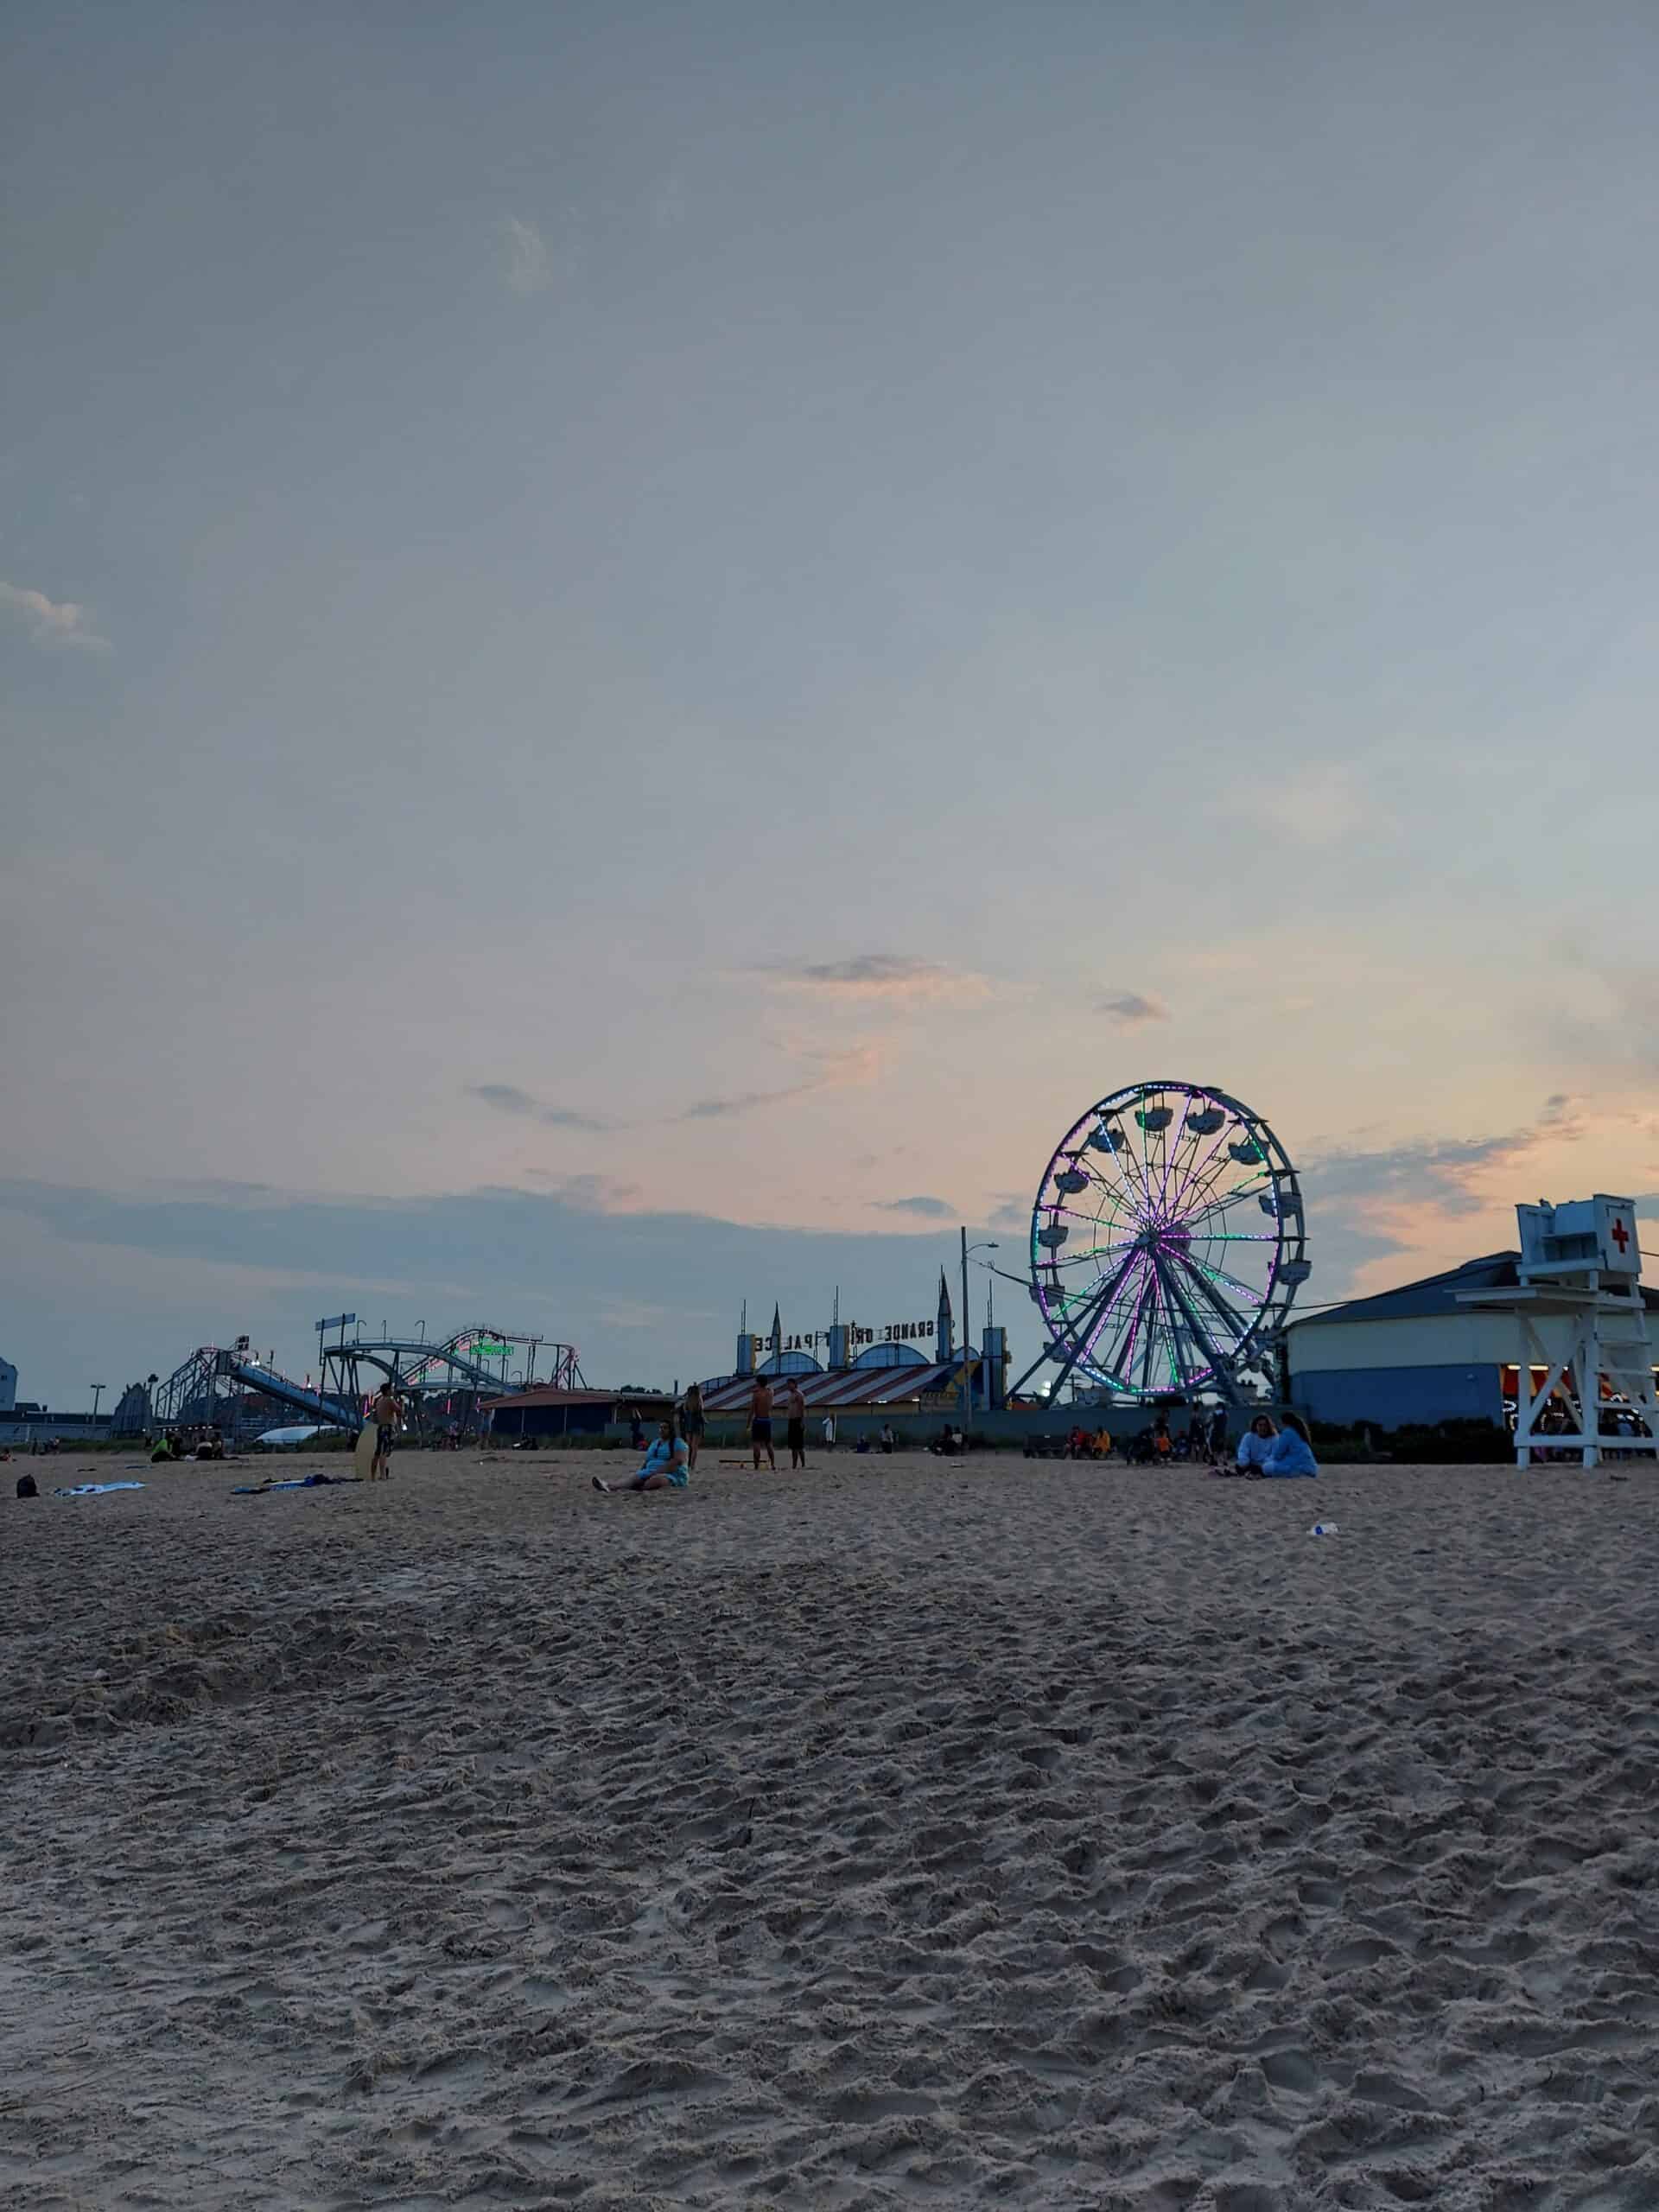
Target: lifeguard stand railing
<point x="1583" y="1323"/>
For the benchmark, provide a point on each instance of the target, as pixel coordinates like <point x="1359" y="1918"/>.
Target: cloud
<point x="742" y="1102"/>
<point x="929" y="1209"/>
<point x="507" y="1098"/>
<point x="1318" y="807"/>
<point x="896" y="977"/>
<point x="860" y="1064"/>
<point x="198" y="1267"/>
<point x="51" y="623"/>
<point x="668" y="206"/>
<point x="1442" y="1173"/>
<point x="1130" y="1008"/>
<point x="1625" y="1027"/>
<point x="530" y="266"/>
<point x="1432" y="1170"/>
<point x="587" y="1193"/>
<point x="1011" y="1213"/>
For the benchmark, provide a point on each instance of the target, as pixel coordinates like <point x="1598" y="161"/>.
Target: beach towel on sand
<point x="91" y="1489"/>
<point x="294" y="1482"/>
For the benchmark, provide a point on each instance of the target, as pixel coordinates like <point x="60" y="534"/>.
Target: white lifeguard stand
<point x="1580" y="1316"/>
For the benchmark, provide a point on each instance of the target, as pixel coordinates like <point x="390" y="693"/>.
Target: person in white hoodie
<point x="1254" y="1446"/>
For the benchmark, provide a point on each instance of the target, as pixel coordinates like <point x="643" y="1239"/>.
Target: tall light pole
<point x="967" y="1373"/>
<point x="97" y="1392"/>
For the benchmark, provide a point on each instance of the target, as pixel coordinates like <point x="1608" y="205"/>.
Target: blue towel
<point x="294" y="1482"/>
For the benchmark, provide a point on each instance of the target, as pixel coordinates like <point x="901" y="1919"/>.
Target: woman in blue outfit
<point x="1291" y="1452"/>
<point x="667" y="1465"/>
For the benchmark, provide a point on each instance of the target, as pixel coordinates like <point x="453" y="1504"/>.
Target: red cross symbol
<point x="1621" y="1236"/>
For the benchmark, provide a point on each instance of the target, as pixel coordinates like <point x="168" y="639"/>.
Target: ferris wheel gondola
<point x="1166" y="1243"/>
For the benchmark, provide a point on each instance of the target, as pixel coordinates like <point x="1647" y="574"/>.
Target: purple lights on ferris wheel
<point x="1168" y="1244"/>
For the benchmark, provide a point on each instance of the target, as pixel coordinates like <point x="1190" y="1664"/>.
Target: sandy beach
<point x="887" y="1836"/>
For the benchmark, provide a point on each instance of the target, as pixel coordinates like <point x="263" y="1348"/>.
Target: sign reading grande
<point x="891" y="1332"/>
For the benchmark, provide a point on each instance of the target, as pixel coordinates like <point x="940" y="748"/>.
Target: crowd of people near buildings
<point x="1263" y="1450"/>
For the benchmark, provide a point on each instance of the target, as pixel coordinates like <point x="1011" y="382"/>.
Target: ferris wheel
<point x="1166" y="1243"/>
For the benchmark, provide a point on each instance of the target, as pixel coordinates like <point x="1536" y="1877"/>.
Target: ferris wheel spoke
<point x="1205" y="1192"/>
<point x="1149" y="1342"/>
<point x="1090" y="1316"/>
<point x="1198" y="1167"/>
<point x="1121" y="1344"/>
<point x="1207" y="1356"/>
<point x="1071" y="1213"/>
<point x="1142" y="1165"/>
<point x="1236" y="1322"/>
<point x="1220" y="1275"/>
<point x="1220" y="1204"/>
<point x="1095" y="1251"/>
<point x="1171" y="1156"/>
<point x="1120" y="1287"/>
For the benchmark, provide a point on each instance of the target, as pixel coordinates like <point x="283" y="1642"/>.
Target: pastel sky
<point x="641" y="645"/>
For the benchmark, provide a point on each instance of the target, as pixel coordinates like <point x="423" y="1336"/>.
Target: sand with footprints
<point x="894" y="1835"/>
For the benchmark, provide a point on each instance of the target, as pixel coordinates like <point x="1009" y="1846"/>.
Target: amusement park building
<point x="891" y="1375"/>
<point x="1413" y="1354"/>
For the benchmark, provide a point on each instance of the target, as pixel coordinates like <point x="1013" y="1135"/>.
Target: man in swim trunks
<point x="795" y="1412"/>
<point x="760" y="1424"/>
<point x="385" y="1414"/>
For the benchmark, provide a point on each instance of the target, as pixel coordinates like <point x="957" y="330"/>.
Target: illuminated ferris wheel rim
<point x="1166" y="1240"/>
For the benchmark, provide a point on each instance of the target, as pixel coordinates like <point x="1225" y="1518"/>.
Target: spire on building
<point x="946" y="1343"/>
<point x="777" y="1332"/>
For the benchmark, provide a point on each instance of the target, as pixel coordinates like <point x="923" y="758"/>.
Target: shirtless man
<point x="760" y="1424"/>
<point x="387" y="1414"/>
<point x="795" y="1417"/>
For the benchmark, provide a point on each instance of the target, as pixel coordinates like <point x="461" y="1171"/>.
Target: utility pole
<point x="967" y="1372"/>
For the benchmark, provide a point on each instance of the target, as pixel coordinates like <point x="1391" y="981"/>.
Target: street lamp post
<point x="967" y="1372"/>
<point x="97" y="1392"/>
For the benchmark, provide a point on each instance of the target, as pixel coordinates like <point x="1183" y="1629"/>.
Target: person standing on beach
<point x="829" y="1432"/>
<point x="386" y="1415"/>
<point x="691" y="1422"/>
<point x="760" y="1423"/>
<point x="795" y="1407"/>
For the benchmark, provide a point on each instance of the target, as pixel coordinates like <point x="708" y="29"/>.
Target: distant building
<point x="1413" y="1354"/>
<point x="8" y="1386"/>
<point x="902" y="1368"/>
<point x="548" y="1414"/>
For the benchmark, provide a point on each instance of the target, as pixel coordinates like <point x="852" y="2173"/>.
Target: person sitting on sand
<point x="1253" y="1447"/>
<point x="1290" y="1453"/>
<point x="668" y="1465"/>
<point x="1101" y="1447"/>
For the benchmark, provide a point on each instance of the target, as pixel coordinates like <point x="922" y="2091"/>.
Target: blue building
<point x="1413" y="1354"/>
